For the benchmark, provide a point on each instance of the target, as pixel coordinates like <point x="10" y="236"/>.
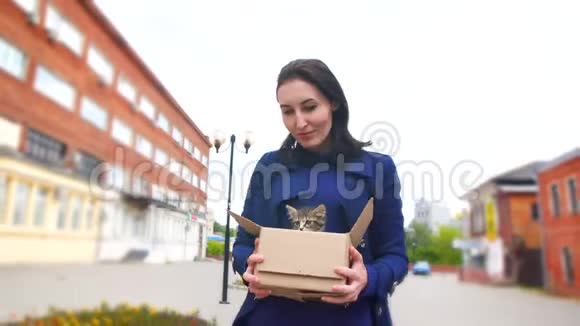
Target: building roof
<point x="122" y="43"/>
<point x="575" y="153"/>
<point x="522" y="175"/>
<point x="525" y="172"/>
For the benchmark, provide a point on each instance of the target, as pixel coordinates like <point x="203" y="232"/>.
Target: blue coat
<point x="383" y="247"/>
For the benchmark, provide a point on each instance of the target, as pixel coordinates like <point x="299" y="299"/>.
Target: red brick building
<point x="560" y="206"/>
<point x="502" y="238"/>
<point x="82" y="100"/>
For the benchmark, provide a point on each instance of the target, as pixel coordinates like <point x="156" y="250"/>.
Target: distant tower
<point x="432" y="214"/>
<point x="423" y="212"/>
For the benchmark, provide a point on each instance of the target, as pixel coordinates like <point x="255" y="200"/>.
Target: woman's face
<point x="306" y="113"/>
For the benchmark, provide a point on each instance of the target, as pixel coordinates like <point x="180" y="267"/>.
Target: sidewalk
<point x="180" y="286"/>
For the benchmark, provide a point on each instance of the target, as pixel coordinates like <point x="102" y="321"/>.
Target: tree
<point x="218" y="228"/>
<point x="418" y="237"/>
<point x="436" y="248"/>
<point x="443" y="246"/>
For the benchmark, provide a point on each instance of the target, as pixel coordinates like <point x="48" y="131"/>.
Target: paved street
<point x="182" y="287"/>
<point x="442" y="300"/>
<point x="437" y="300"/>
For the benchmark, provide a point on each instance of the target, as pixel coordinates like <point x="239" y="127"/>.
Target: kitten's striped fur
<point x="307" y="218"/>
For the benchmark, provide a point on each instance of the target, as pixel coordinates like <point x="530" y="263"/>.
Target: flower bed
<point x="123" y="314"/>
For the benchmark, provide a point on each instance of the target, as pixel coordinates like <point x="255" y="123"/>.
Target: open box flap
<point x="359" y="228"/>
<point x="249" y="226"/>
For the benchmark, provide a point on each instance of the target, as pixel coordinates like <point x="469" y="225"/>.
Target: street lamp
<point x="219" y="140"/>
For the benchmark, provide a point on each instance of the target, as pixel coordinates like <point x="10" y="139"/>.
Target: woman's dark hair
<point x="318" y="74"/>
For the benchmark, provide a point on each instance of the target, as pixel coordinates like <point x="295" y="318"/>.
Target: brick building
<point x="560" y="207"/>
<point x="91" y="138"/>
<point x="502" y="243"/>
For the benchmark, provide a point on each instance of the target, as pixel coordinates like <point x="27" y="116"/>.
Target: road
<point x="443" y="300"/>
<point x="436" y="300"/>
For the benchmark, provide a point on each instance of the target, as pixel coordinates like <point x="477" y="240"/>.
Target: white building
<point x="433" y="214"/>
<point x="154" y="230"/>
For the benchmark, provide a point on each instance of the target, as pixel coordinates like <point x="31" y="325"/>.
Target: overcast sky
<point x="493" y="82"/>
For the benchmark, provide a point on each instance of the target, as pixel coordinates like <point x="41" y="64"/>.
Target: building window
<point x="175" y="167"/>
<point x="535" y="212"/>
<point x="147" y="108"/>
<point x="188" y="146"/>
<point x="20" y="204"/>
<point x="62" y="210"/>
<point x="140" y="186"/>
<point x="100" y="65"/>
<point x="555" y="196"/>
<point x="144" y="147"/>
<point x="76" y="213"/>
<point x="86" y="163"/>
<point x="30" y="7"/>
<point x="186" y="174"/>
<point x="197" y="153"/>
<point x="139" y="227"/>
<point x="94" y="114"/>
<point x="204" y="160"/>
<point x="127" y="89"/>
<point x="40" y="206"/>
<point x="161" y="157"/>
<point x="156" y="192"/>
<point x="12" y="59"/>
<point x="90" y="215"/>
<point x="203" y="185"/>
<point x="119" y="178"/>
<point x="50" y="85"/>
<point x="177" y="136"/>
<point x="3" y="194"/>
<point x="163" y="123"/>
<point x="568" y="266"/>
<point x="183" y="203"/>
<point x="477" y="218"/>
<point x="64" y="31"/>
<point x="122" y="133"/>
<point x="195" y="180"/>
<point x="573" y="197"/>
<point x="172" y="198"/>
<point x="127" y="223"/>
<point x="44" y="148"/>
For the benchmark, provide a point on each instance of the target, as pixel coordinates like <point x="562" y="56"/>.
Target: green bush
<point x="215" y="248"/>
<point x="123" y="314"/>
<point x="437" y="248"/>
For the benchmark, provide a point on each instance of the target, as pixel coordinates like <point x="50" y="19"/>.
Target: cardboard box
<point x="300" y="264"/>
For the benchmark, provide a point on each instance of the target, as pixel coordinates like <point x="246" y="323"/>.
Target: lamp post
<point x="219" y="140"/>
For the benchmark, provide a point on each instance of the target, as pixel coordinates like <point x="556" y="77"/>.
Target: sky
<point x="459" y="90"/>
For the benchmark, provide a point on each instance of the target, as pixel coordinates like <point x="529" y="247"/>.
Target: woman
<point x="320" y="163"/>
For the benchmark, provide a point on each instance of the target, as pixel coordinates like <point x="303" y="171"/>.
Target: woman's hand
<point x="253" y="282"/>
<point x="356" y="280"/>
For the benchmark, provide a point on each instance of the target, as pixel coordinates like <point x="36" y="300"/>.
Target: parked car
<point x="421" y="268"/>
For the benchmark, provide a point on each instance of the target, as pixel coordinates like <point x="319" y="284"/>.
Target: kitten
<point x="308" y="218"/>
